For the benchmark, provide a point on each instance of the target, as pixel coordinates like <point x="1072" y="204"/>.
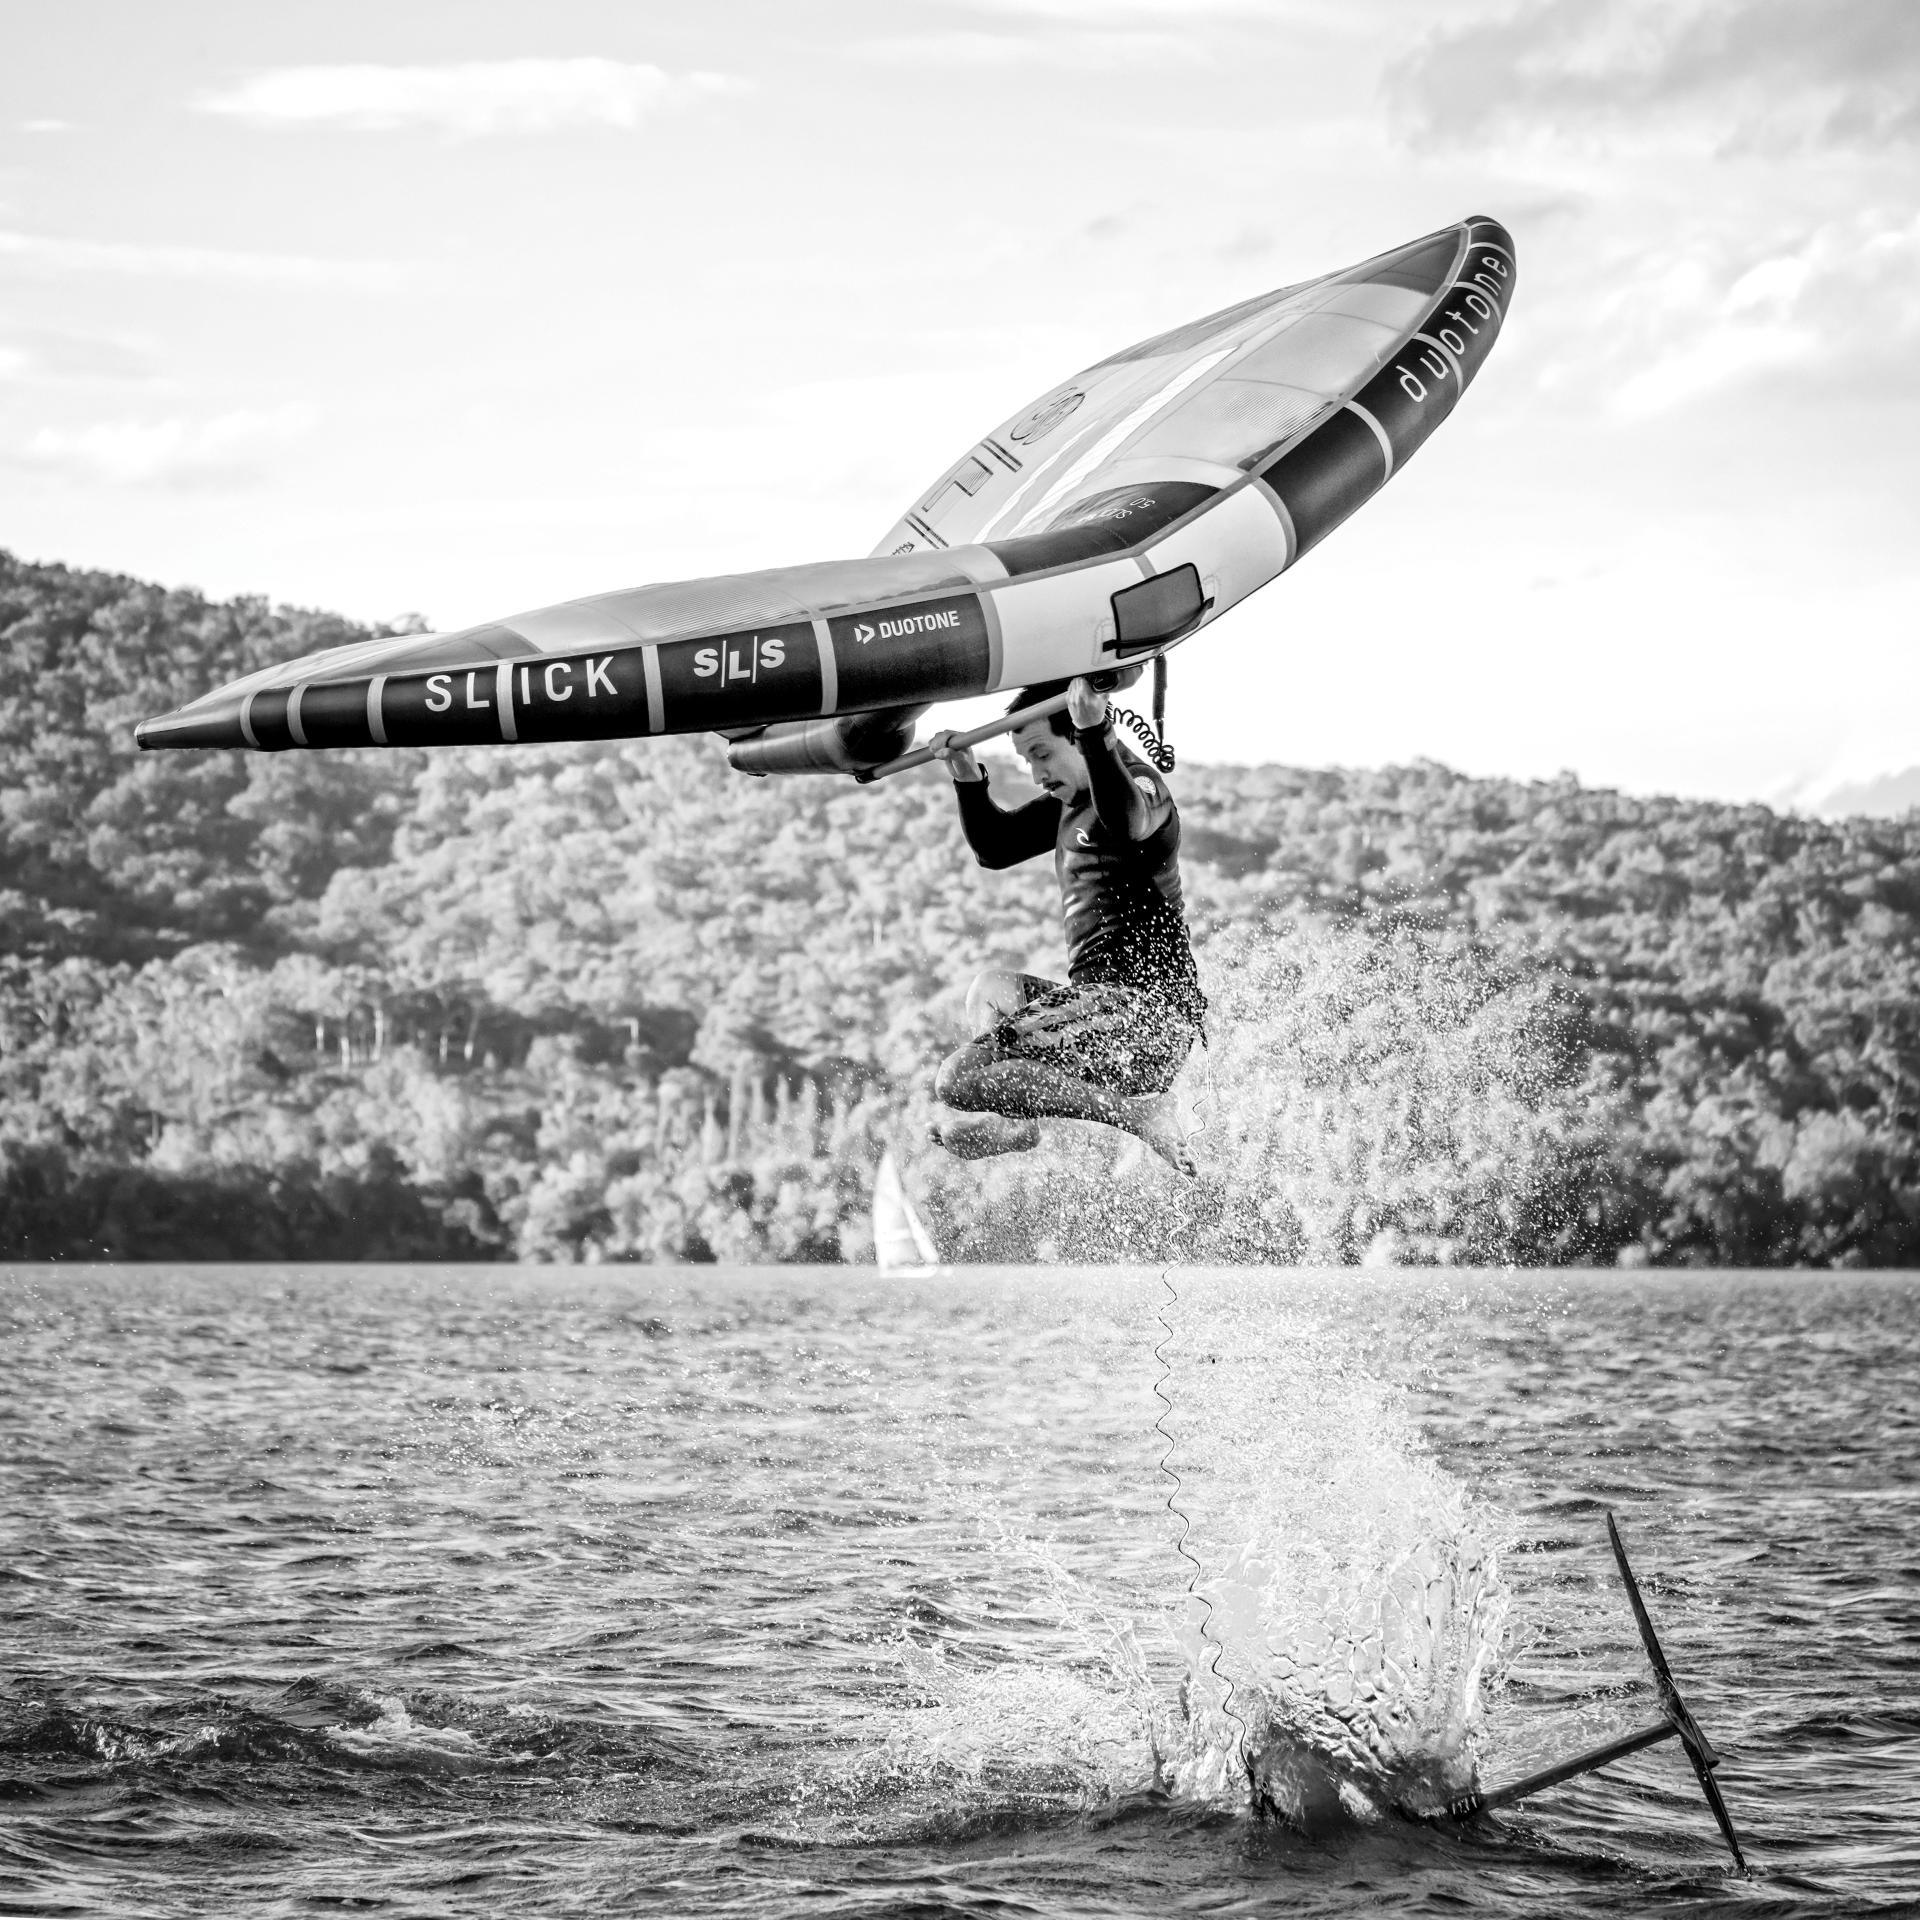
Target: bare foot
<point x="1156" y="1121"/>
<point x="977" y="1136"/>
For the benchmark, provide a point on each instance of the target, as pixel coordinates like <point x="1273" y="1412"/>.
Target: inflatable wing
<point x="1101" y="525"/>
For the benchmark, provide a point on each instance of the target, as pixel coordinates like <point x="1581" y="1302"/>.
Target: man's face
<point x="1057" y="765"/>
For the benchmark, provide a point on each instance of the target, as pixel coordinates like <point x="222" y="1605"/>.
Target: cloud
<point x="1770" y="74"/>
<point x="469" y="97"/>
<point x="1885" y="795"/>
<point x="224" y="450"/>
<point x="1071" y="51"/>
<point x="1103" y="12"/>
<point x="47" y="355"/>
<point x="1699" y="316"/>
<point x="1075" y="35"/>
<point x="1722" y="355"/>
<point x="63" y="255"/>
<point x="46" y="126"/>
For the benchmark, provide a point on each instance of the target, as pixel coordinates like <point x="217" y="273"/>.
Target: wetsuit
<point x="1133" y="1006"/>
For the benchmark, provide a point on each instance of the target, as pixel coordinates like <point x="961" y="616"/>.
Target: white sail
<point x="901" y="1243"/>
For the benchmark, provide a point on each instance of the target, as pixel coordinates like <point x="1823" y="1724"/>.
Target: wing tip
<point x="184" y="728"/>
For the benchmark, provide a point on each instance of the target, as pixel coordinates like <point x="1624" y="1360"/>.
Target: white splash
<point x="1327" y="1665"/>
<point x="1340" y="1638"/>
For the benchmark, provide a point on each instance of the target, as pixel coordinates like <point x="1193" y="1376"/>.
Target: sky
<point x="464" y="307"/>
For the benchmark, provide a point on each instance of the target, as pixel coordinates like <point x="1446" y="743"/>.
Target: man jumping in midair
<point x="1106" y="1045"/>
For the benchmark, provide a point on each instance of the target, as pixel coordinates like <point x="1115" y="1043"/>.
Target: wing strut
<point x="1106" y="679"/>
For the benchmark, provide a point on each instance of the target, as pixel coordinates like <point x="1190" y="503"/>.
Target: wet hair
<point x="1059" y="721"/>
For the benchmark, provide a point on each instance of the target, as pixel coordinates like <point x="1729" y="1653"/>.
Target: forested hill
<point x="616" y="1003"/>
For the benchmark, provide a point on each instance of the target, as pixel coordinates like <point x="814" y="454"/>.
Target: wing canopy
<point x="1161" y="428"/>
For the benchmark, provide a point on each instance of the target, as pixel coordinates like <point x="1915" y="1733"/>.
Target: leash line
<point x="1151" y="744"/>
<point x="1208" y="1638"/>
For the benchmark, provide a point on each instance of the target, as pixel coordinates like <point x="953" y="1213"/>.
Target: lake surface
<point x="430" y="1591"/>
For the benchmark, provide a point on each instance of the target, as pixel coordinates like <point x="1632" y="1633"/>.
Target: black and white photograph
<point x="842" y="1074"/>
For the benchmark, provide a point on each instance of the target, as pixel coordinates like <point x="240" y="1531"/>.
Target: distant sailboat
<point x="901" y="1244"/>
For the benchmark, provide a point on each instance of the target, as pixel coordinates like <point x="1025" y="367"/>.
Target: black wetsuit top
<point x="1116" y="850"/>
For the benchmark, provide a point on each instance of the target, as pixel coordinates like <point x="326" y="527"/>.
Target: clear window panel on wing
<point x="1327" y="353"/>
<point x="1232" y="422"/>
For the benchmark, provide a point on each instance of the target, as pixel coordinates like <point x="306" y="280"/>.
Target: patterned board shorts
<point x="1127" y="1041"/>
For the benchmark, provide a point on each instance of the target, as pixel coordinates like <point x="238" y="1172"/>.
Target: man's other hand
<point x="1086" y="704"/>
<point x="959" y="761"/>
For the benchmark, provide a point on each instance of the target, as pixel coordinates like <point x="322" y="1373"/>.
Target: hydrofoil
<point x="1676" y="1723"/>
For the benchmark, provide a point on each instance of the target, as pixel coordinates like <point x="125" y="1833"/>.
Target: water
<point x="698" y="1591"/>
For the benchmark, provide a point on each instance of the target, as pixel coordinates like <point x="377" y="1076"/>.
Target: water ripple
<point x="485" y="1592"/>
